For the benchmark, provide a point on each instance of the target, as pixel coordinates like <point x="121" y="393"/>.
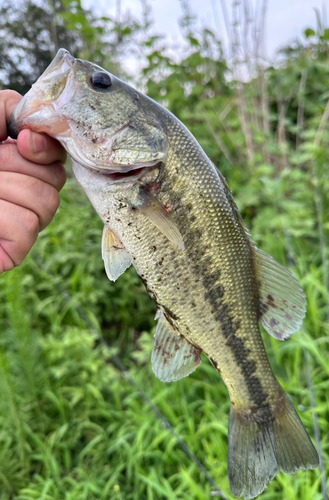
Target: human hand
<point x="31" y="175"/>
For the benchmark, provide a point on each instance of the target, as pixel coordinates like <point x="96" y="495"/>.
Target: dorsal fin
<point x="173" y="357"/>
<point x="282" y="300"/>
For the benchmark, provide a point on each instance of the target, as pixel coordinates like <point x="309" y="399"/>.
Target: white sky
<point x="286" y="19"/>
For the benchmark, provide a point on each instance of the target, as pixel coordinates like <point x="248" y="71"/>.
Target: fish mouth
<point x="39" y="97"/>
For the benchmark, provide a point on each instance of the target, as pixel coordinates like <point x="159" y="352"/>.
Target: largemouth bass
<point x="169" y="212"/>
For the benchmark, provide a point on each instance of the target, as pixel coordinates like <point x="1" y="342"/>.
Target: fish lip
<point x="15" y="120"/>
<point x="62" y="63"/>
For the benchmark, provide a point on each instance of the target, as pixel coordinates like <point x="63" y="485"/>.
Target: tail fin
<point x="265" y="442"/>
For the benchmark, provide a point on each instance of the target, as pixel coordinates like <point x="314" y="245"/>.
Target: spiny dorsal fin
<point x="282" y="300"/>
<point x="116" y="258"/>
<point x="173" y="357"/>
<point x="158" y="215"/>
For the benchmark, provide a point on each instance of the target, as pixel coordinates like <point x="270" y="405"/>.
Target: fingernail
<point x="38" y="143"/>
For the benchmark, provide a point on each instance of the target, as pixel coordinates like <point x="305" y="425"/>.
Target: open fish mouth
<point x="41" y="95"/>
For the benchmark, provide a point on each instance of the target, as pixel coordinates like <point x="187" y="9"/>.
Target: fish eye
<point x="101" y="81"/>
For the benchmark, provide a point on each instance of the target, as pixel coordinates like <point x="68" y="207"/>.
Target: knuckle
<point x="50" y="198"/>
<point x="54" y="201"/>
<point x="31" y="223"/>
<point x="60" y="175"/>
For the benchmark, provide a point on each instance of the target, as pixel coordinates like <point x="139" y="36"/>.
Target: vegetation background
<point x="72" y="426"/>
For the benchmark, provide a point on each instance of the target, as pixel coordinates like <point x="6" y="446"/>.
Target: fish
<point x="169" y="212"/>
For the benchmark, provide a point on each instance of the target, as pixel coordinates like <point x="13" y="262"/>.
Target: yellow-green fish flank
<point x="168" y="211"/>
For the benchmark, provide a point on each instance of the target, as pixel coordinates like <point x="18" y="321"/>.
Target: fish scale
<point x="199" y="324"/>
<point x="168" y="211"/>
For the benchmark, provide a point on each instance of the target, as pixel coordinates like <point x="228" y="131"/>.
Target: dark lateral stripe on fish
<point x="241" y="352"/>
<point x="214" y="293"/>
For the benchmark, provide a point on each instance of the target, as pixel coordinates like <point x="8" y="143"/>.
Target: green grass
<point x="71" y="424"/>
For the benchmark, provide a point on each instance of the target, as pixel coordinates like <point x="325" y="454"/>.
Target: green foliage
<point x="71" y="424"/>
<point x="31" y="33"/>
<point x="195" y="89"/>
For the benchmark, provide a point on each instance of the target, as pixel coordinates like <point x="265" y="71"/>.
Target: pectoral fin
<point x="150" y="206"/>
<point x="116" y="258"/>
<point x="173" y="357"/>
<point x="282" y="300"/>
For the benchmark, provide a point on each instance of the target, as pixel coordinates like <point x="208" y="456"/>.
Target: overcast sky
<point x="285" y="18"/>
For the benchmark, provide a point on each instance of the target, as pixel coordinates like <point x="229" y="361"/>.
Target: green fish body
<point x="168" y="211"/>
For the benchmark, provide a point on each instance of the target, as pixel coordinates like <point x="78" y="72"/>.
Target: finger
<point x="19" y="228"/>
<point x="40" y="148"/>
<point x="8" y="102"/>
<point x="12" y="161"/>
<point x="33" y="194"/>
<point x="6" y="262"/>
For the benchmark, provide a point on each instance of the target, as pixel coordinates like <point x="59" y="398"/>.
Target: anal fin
<point x="116" y="258"/>
<point x="173" y="357"/>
